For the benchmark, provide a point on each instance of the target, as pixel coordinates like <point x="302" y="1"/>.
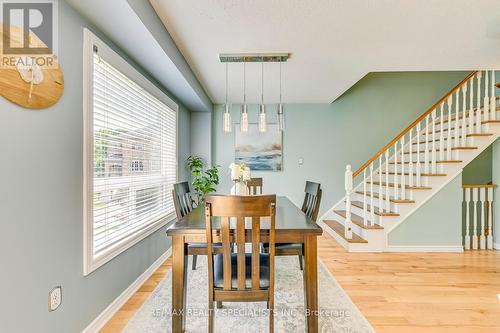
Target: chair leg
<point x="219" y="305"/>
<point x="195" y="257"/>
<point x="210" y="317"/>
<point x="271" y="315"/>
<point x="301" y="262"/>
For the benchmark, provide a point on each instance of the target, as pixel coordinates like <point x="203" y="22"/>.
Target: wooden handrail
<point x="479" y="186"/>
<point x="418" y="120"/>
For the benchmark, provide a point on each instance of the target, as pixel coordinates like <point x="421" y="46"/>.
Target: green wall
<point x="480" y="170"/>
<point x="347" y="131"/>
<point x="496" y="195"/>
<point x="438" y="222"/>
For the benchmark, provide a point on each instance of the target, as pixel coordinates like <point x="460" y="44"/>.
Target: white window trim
<point x="91" y="263"/>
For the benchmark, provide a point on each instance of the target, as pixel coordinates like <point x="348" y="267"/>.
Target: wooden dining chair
<point x="240" y="276"/>
<point x="183" y="203"/>
<point x="310" y="206"/>
<point x="254" y="186"/>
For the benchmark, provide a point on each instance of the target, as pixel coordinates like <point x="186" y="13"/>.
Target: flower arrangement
<point x="240" y="172"/>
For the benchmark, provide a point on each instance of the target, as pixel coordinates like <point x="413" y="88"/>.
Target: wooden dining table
<point x="292" y="226"/>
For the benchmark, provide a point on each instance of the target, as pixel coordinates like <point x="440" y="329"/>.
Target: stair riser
<point x="364" y="233"/>
<point x="440" y="168"/>
<point x="455" y="155"/>
<point x="424" y="180"/>
<point x="408" y="193"/>
<point x="359" y="197"/>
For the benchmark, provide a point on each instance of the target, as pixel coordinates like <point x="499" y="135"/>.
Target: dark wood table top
<point x="288" y="218"/>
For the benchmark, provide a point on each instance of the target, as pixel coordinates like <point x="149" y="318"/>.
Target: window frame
<point x="91" y="262"/>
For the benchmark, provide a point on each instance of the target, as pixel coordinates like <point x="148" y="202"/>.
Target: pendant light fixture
<point x="262" y="107"/>
<point x="227" y="109"/>
<point x="281" y="110"/>
<point x="244" y="107"/>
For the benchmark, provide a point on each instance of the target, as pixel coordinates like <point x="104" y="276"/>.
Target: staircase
<point x="415" y="165"/>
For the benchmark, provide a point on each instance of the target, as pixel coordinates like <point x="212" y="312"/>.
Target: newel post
<point x="348" y="190"/>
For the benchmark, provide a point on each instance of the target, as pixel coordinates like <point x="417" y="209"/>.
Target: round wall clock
<point x="31" y="81"/>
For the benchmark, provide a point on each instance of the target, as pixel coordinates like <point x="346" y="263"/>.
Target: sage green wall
<point x="41" y="208"/>
<point x="438" y="222"/>
<point x="496" y="206"/>
<point x="347" y="131"/>
<point x="479" y="171"/>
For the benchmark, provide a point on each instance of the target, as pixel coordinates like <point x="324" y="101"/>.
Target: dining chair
<point x="240" y="276"/>
<point x="183" y="203"/>
<point x="254" y="186"/>
<point x="310" y="207"/>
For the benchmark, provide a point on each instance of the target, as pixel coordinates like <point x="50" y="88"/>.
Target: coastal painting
<point x="259" y="151"/>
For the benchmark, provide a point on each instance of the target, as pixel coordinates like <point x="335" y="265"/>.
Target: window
<point x="130" y="155"/>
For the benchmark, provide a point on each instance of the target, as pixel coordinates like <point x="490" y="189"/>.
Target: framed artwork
<point x="259" y="151"/>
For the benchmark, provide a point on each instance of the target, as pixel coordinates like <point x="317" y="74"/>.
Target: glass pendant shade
<point x="262" y="118"/>
<point x="244" y="118"/>
<point x="281" y="117"/>
<point x="227" y="118"/>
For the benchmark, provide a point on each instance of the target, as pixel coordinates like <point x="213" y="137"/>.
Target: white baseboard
<point x="109" y="312"/>
<point x="424" y="248"/>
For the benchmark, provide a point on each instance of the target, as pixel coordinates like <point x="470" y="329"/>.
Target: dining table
<point x="291" y="226"/>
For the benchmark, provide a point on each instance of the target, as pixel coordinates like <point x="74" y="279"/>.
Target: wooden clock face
<point x="31" y="81"/>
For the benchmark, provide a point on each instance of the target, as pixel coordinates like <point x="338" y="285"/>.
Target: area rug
<point x="337" y="312"/>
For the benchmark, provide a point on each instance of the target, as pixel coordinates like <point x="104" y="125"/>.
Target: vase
<point x="239" y="188"/>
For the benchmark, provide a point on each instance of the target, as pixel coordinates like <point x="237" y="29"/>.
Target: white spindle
<point x="418" y="165"/>
<point x="471" y="105"/>
<point x="365" y="220"/>
<point x="486" y="101"/>
<point x="475" y="199"/>
<point x="441" y="134"/>
<point x="410" y="165"/>
<point x="482" y="237"/>
<point x="396" y="175"/>
<point x="348" y="190"/>
<point x="387" y="188"/>
<point x="372" y="194"/>
<point x="489" y="239"/>
<point x="403" y="178"/>
<point x="426" y="152"/>
<point x="457" y="118"/>
<point x="464" y="114"/>
<point x="448" y="142"/>
<point x="433" y="154"/>
<point x="493" y="100"/>
<point x="478" y="100"/>
<point x="380" y="186"/>
<point x="468" y="192"/>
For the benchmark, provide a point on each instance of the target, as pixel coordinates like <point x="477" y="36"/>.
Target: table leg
<point x="179" y="278"/>
<point x="311" y="283"/>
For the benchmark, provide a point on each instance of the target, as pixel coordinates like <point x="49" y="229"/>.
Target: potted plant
<point x="203" y="180"/>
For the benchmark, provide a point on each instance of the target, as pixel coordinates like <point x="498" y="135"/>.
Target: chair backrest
<point x="240" y="207"/>
<point x="182" y="199"/>
<point x="254" y="186"/>
<point x="312" y="199"/>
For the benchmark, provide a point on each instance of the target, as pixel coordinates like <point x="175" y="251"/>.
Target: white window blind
<point x="134" y="157"/>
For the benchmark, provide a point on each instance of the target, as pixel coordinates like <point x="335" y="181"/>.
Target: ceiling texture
<point x="333" y="43"/>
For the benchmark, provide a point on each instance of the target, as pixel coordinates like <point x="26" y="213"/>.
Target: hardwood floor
<point x="397" y="292"/>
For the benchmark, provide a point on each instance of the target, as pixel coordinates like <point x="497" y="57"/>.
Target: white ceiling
<point x="333" y="43"/>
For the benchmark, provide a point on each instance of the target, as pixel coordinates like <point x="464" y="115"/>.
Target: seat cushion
<point x="219" y="270"/>
<point x="285" y="246"/>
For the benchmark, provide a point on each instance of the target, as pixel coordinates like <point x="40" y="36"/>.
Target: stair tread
<point x="491" y="122"/>
<point x="397" y="201"/>
<point x="461" y="114"/>
<point x="377" y="211"/>
<point x="406" y="186"/>
<point x="339" y="229"/>
<point x="445" y="149"/>
<point x="414" y="174"/>
<point x="438" y="161"/>
<point x="358" y="220"/>
<point x="453" y="138"/>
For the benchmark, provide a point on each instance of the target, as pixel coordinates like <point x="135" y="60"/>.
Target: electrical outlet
<point x="301" y="160"/>
<point x="55" y="298"/>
